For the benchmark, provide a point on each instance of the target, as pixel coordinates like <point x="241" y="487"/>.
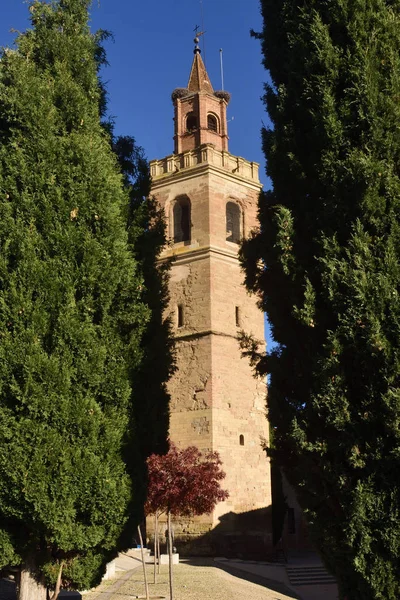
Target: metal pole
<point x="222" y="68"/>
<point x="202" y="28"/>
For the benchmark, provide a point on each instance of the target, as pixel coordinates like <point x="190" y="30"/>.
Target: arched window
<point x="212" y="123"/>
<point x="233" y="222"/>
<point x="241" y="440"/>
<point x="191" y="122"/>
<point x="181" y="216"/>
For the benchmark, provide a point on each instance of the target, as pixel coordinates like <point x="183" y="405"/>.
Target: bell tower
<point x="200" y="113"/>
<point x="210" y="201"/>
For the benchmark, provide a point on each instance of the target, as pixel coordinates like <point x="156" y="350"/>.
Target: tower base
<point x="245" y="535"/>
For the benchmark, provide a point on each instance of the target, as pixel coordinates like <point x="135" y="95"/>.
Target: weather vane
<point x="197" y="32"/>
<point x="196" y="40"/>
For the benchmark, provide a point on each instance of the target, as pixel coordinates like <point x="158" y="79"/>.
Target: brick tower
<point x="210" y="202"/>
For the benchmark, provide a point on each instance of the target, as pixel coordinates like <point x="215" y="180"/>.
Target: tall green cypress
<point x="326" y="267"/>
<point x="149" y="419"/>
<point x="71" y="308"/>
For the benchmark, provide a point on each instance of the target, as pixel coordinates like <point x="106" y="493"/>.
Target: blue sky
<point x="152" y="54"/>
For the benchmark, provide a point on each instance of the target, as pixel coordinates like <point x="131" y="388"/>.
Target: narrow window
<point x="212" y="123"/>
<point x="291" y="521"/>
<point x="191" y="122"/>
<point x="241" y="440"/>
<point x="232" y="222"/>
<point x="180" y="315"/>
<point x="237" y="316"/>
<point x="181" y="216"/>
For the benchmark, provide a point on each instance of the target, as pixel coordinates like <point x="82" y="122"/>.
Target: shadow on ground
<point x="270" y="584"/>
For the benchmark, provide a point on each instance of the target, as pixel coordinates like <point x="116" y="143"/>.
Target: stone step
<point x="309" y="576"/>
<point x="136" y="552"/>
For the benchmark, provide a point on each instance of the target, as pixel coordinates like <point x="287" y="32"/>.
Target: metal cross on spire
<point x="197" y="39"/>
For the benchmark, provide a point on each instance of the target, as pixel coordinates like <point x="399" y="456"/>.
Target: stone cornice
<point x="188" y="254"/>
<point x="205" y="159"/>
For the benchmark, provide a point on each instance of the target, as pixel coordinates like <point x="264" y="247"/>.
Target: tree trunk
<point x="31" y="588"/>
<point x="146" y="585"/>
<point x="158" y="550"/>
<point x="155" y="546"/>
<point x="58" y="584"/>
<point x="170" y="550"/>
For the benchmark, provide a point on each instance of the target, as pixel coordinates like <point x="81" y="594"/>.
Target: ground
<point x="213" y="579"/>
<point x="193" y="580"/>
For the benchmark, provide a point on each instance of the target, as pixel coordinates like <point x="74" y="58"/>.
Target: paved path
<point x="194" y="579"/>
<point x="215" y="579"/>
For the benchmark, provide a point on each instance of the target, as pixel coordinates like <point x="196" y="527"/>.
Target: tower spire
<point x="199" y="80"/>
<point x="200" y="113"/>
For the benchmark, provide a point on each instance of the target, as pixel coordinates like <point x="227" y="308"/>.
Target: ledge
<point x="186" y="254"/>
<point x="205" y="155"/>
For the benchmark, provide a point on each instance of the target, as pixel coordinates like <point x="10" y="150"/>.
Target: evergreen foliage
<point x="75" y="315"/>
<point x="147" y="232"/>
<point x="149" y="420"/>
<point x="326" y="267"/>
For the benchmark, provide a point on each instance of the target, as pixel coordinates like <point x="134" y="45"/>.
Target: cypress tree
<point x="149" y="418"/>
<point x="326" y="267"/>
<point x="71" y="308"/>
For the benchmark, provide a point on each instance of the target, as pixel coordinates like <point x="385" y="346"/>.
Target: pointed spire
<point x="199" y="80"/>
<point x="200" y="113"/>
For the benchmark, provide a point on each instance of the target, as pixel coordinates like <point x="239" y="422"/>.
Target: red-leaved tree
<point x="183" y="483"/>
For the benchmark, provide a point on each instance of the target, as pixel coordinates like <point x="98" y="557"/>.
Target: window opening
<point x="212" y="123"/>
<point x="191" y="122"/>
<point x="232" y="222"/>
<point x="180" y="315"/>
<point x="182" y="220"/>
<point x="237" y="316"/>
<point x="241" y="440"/>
